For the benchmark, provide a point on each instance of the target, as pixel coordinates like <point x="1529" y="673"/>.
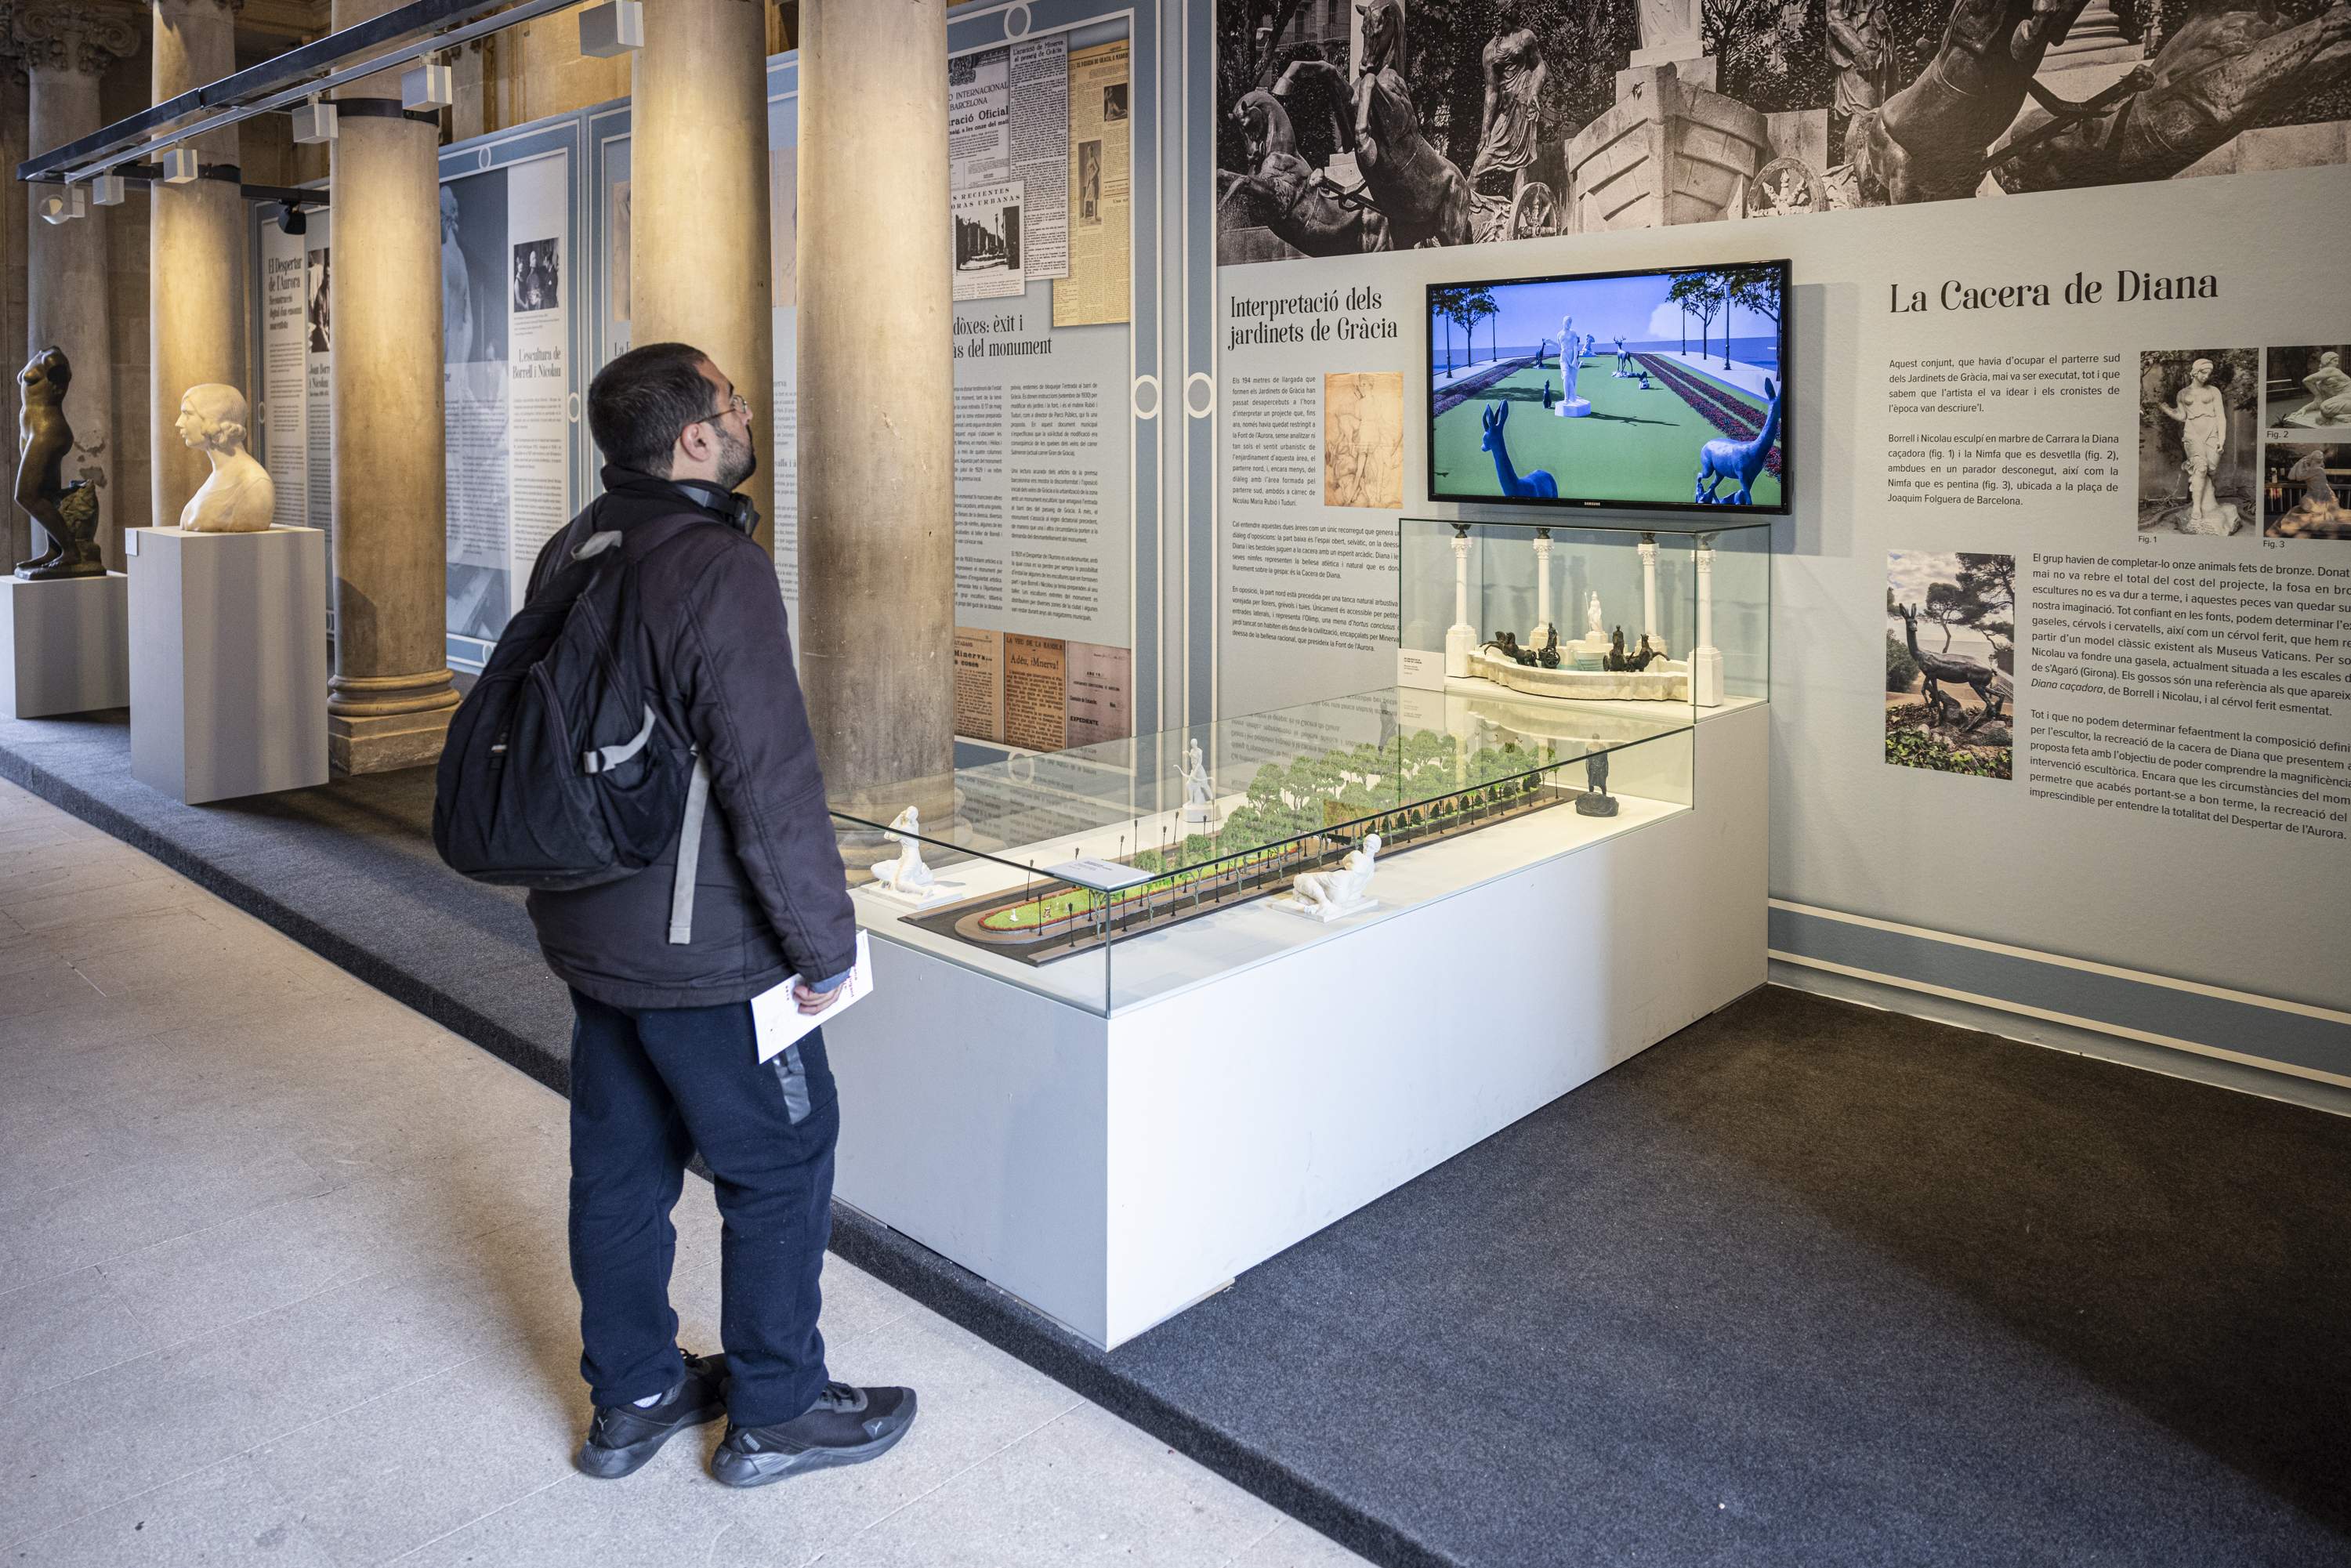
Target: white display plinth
<point x="1112" y="1170"/>
<point x="67" y="643"/>
<point x="228" y="661"/>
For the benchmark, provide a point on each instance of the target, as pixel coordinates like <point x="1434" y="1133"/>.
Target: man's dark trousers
<point x="649" y="1087"/>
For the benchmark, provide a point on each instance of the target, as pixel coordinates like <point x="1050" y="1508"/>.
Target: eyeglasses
<point x="735" y="404"/>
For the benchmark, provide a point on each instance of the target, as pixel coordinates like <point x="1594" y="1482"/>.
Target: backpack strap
<point x="689" y="853"/>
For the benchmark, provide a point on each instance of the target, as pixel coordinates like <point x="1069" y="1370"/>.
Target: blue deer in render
<point x="1738" y="460"/>
<point x="1537" y="483"/>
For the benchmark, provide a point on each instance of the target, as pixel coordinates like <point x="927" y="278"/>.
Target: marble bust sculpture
<point x="239" y="497"/>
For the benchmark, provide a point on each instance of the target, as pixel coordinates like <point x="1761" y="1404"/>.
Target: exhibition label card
<point x="776" y="1020"/>
<point x="1102" y="875"/>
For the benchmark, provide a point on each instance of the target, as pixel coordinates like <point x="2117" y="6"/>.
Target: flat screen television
<point x="1671" y="395"/>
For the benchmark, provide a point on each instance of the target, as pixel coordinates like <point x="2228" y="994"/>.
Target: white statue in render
<point x="2203" y="417"/>
<point x="1199" y="790"/>
<point x="239" y="497"/>
<point x="906" y="874"/>
<point x="1329" y="896"/>
<point x="1593" y="631"/>
<point x="1568" y="364"/>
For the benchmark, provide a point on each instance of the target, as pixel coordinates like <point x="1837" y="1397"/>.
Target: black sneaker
<point x="845" y="1426"/>
<point x="622" y="1437"/>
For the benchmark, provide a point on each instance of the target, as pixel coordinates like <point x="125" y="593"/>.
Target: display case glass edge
<point x="1112" y="881"/>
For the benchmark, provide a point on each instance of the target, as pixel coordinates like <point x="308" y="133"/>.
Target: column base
<point x="1706" y="677"/>
<point x="386" y="743"/>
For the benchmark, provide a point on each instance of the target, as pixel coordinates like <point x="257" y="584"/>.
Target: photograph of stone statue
<point x="2197" y="440"/>
<point x="2306" y="392"/>
<point x="1113" y="102"/>
<point x="64" y="514"/>
<point x="2305" y="487"/>
<point x="1363" y="439"/>
<point x="480" y="285"/>
<point x="1090" y="183"/>
<point x="317" y="313"/>
<point x="1392" y="123"/>
<point x="1950" y="662"/>
<point x="239" y="496"/>
<point x="538" y="281"/>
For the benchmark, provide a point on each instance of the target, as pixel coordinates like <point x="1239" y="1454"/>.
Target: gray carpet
<point x="1806" y="1284"/>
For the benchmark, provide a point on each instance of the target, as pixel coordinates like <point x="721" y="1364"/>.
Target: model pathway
<point x="282" y="1279"/>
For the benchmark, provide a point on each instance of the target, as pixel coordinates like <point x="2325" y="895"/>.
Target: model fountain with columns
<point x="1593" y="666"/>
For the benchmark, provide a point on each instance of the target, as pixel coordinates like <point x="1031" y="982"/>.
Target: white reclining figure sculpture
<point x="1328" y="895"/>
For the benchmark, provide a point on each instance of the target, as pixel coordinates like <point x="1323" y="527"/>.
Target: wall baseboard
<point x="2258" y="1045"/>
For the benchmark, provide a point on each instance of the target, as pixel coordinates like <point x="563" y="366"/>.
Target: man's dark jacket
<point x="771" y="897"/>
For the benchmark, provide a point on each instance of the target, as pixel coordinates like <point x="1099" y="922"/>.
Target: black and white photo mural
<point x="1347" y="128"/>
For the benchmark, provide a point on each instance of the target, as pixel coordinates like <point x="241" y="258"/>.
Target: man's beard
<point x="737" y="459"/>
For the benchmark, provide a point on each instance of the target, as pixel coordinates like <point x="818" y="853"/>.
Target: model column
<point x="1705" y="660"/>
<point x="876" y="424"/>
<point x="195" y="255"/>
<point x="1542" y="627"/>
<point x="65" y="49"/>
<point x="389" y="697"/>
<point x="1649" y="592"/>
<point x="698" y="238"/>
<point x="1461" y="638"/>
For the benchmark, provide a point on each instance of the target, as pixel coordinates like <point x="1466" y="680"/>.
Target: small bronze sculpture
<point x="1615" y="658"/>
<point x="65" y="514"/>
<point x="1548" y="656"/>
<point x="1597" y="801"/>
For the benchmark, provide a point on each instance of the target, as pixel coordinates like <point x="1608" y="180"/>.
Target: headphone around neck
<point x="729" y="506"/>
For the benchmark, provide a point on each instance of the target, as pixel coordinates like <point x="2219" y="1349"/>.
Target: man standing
<point x="664" y="1058"/>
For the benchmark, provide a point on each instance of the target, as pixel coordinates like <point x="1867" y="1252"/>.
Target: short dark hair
<point x="639" y="403"/>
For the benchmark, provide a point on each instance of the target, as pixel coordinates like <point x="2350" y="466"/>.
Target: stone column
<point x="389" y="698"/>
<point x="699" y="242"/>
<point x="876" y="418"/>
<point x="65" y="49"/>
<point x="195" y="257"/>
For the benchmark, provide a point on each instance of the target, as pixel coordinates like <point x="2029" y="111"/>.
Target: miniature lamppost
<point x="1461" y="638"/>
<point x="1649" y="592"/>
<point x="1705" y="660"/>
<point x="1542" y="627"/>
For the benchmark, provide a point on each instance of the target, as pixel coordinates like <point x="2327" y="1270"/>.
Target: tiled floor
<point x="282" y="1280"/>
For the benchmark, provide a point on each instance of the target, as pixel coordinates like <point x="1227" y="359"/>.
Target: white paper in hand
<point x="775" y="1017"/>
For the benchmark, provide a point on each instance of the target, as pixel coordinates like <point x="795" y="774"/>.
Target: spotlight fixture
<point x="107" y="190"/>
<point x="615" y="28"/>
<point x="314" y="122"/>
<point x="64" y="206"/>
<point x="180" y="165"/>
<point x="428" y="87"/>
<point x="291" y="219"/>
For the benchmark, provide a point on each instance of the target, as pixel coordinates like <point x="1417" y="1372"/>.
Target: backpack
<point x="557" y="773"/>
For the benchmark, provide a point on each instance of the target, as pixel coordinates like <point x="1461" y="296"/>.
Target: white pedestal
<point x="67" y="644"/>
<point x="1460" y="643"/>
<point x="1706" y="677"/>
<point x="228" y="661"/>
<point x="1572" y="408"/>
<point x="1112" y="1170"/>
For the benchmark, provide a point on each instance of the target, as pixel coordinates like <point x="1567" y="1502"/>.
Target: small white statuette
<point x="1199" y="790"/>
<point x="239" y="497"/>
<point x="906" y="877"/>
<point x="1328" y="895"/>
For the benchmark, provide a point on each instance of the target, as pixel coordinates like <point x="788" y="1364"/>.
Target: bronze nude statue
<point x="67" y="514"/>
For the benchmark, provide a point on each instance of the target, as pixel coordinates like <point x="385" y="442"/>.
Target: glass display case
<point x="1116" y="874"/>
<point x="1668" y="614"/>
